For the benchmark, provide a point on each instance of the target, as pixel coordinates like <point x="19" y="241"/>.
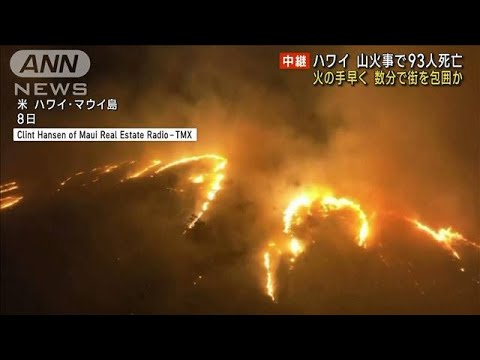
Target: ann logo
<point x="50" y="63"/>
<point x="58" y="64"/>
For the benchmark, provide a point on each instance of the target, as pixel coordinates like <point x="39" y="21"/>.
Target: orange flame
<point x="269" y="284"/>
<point x="109" y="168"/>
<point x="11" y="200"/>
<point x="332" y="203"/>
<point x="11" y="188"/>
<point x="446" y="236"/>
<point x="143" y="171"/>
<point x="329" y="203"/>
<point x="214" y="186"/>
<point x="291" y="217"/>
<point x="216" y="175"/>
<point x="197" y="179"/>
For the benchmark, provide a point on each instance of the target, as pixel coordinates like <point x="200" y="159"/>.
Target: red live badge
<point x="294" y="61"/>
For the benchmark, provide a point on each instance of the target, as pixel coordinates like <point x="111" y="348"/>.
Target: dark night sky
<point x="411" y="151"/>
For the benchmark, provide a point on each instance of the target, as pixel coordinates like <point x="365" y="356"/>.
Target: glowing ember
<point x="302" y="207"/>
<point x="65" y="181"/>
<point x="9" y="201"/>
<point x="109" y="168"/>
<point x="11" y="188"/>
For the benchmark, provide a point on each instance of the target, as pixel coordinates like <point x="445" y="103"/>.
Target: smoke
<point x="410" y="149"/>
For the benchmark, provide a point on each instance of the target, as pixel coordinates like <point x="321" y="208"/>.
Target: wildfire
<point x="217" y="176"/>
<point x="109" y="168"/>
<point x="269" y="285"/>
<point x="143" y="171"/>
<point x="197" y="179"/>
<point x="291" y="217"/>
<point x="104" y="170"/>
<point x="445" y="236"/>
<point x="331" y="203"/>
<point x="10" y="200"/>
<point x="303" y="200"/>
<point x="5" y="189"/>
<point x="295" y="248"/>
<point x="186" y="160"/>
<point x="308" y="203"/>
<point x="65" y="181"/>
<point x="13" y="183"/>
